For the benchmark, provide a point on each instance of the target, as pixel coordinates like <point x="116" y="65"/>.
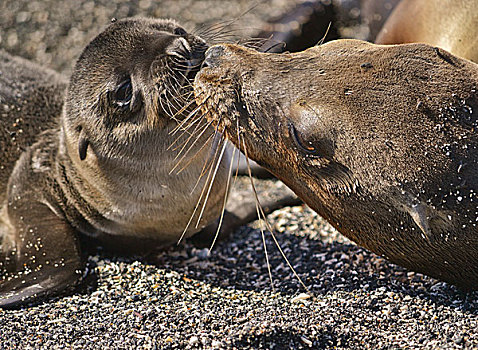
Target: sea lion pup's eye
<point x="124" y="93"/>
<point x="304" y="146"/>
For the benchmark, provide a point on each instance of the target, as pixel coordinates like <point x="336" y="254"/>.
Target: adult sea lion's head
<point x="379" y="140"/>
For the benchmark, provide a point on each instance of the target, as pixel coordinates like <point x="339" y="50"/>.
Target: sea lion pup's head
<point x="374" y="138"/>
<point x="131" y="79"/>
<point x="130" y="88"/>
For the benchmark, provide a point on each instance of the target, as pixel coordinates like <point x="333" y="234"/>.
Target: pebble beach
<point x="192" y="298"/>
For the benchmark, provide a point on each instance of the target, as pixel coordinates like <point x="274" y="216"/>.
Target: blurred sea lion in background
<point x="449" y="24"/>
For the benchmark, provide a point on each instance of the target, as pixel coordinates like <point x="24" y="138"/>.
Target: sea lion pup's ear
<point x="82" y="144"/>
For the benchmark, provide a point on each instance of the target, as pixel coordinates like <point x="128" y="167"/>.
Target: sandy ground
<point x="187" y="298"/>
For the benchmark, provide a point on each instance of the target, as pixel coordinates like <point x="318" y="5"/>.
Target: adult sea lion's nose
<point x="213" y="55"/>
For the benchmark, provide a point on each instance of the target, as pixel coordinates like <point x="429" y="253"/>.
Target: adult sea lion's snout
<point x="213" y="56"/>
<point x="379" y="140"/>
<point x="226" y="88"/>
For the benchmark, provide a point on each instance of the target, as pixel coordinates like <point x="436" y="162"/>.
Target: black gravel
<point x="188" y="298"/>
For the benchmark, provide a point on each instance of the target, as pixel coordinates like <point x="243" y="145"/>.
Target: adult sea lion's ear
<point x="82" y="144"/>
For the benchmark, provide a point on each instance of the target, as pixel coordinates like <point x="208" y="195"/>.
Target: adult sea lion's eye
<point x="304" y="146"/>
<point x="124" y="93"/>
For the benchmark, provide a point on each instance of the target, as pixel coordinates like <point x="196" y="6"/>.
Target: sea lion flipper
<point x="22" y="290"/>
<point x="40" y="264"/>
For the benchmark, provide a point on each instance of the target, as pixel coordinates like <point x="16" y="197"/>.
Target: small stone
<point x="193" y="340"/>
<point x="300" y="297"/>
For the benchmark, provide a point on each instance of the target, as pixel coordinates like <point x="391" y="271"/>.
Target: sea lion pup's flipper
<point x="37" y="264"/>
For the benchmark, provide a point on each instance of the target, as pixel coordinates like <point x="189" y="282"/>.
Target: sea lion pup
<point x="380" y="140"/>
<point x="102" y="167"/>
<point x="449" y="24"/>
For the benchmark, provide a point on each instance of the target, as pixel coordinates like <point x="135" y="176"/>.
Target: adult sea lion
<point x="102" y="166"/>
<point x="380" y="140"/>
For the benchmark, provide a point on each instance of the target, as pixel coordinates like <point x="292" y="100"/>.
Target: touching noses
<point x="213" y="55"/>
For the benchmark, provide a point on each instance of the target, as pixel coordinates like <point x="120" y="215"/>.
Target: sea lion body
<point x="379" y="140"/>
<point x="449" y="24"/>
<point x="27" y="90"/>
<point x="100" y="164"/>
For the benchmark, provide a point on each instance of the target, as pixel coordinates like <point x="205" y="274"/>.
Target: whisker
<point x="272" y="47"/>
<point x="197" y="152"/>
<point x="225" y="200"/>
<point x="217" y="30"/>
<point x="185" y="120"/>
<point x="254" y="43"/>
<point x="200" y="196"/>
<point x="182" y="145"/>
<point x="185" y="130"/>
<point x="190" y="147"/>
<point x="321" y="41"/>
<point x="208" y="163"/>
<point x="205" y="27"/>
<point x="266" y="222"/>
<point x="211" y="182"/>
<point x="182" y="110"/>
<point x="168" y="104"/>
<point x="258" y="205"/>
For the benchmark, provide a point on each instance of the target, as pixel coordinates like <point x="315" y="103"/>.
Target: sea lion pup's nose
<point x="213" y="55"/>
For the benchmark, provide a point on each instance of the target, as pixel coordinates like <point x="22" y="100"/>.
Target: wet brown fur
<point x="379" y="140"/>
<point x="93" y="167"/>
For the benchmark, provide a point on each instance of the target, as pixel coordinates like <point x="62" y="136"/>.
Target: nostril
<point x="215" y="51"/>
<point x="212" y="56"/>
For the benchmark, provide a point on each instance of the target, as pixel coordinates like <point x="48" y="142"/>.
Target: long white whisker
<point x="211" y="182"/>
<point x="200" y="196"/>
<point x="268" y="225"/>
<point x="258" y="205"/>
<point x="195" y="154"/>
<point x="229" y="173"/>
<point x="208" y="164"/>
<point x="190" y="147"/>
<point x="187" y="119"/>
